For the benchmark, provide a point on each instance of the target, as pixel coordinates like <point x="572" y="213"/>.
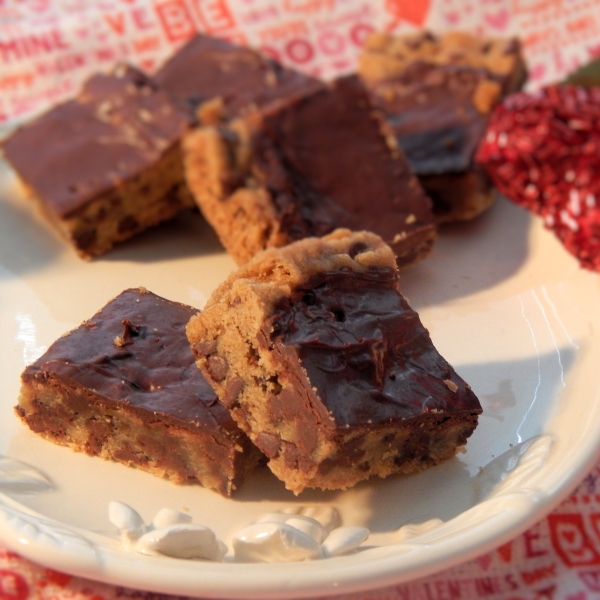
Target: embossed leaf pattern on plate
<point x="33" y="530"/>
<point x="513" y="469"/>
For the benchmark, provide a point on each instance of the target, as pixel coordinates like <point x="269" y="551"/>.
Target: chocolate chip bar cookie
<point x="107" y="164"/>
<point x="303" y="167"/>
<point x="324" y="365"/>
<point x="123" y="386"/>
<point x="437" y="93"/>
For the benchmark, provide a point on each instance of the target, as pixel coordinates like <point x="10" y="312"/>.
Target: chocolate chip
<point x="357" y="248"/>
<point x="231" y="182"/>
<point x="85" y="239"/>
<point x="309" y="298"/>
<point x="204" y="348"/>
<point x="217" y="367"/>
<point x="339" y="315"/>
<point x="232" y="391"/>
<point x="388" y="438"/>
<point x="268" y="443"/>
<point x="128" y="223"/>
<point x="510" y="47"/>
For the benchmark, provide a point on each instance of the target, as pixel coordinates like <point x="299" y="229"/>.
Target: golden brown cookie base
<point x="243" y="218"/>
<point x="174" y="453"/>
<point x="152" y="197"/>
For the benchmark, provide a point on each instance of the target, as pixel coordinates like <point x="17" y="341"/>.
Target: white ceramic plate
<point x="505" y="305"/>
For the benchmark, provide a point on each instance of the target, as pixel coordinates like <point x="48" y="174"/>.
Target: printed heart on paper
<point x="413" y="11"/>
<point x="497" y="20"/>
<point x="568" y="535"/>
<point x="484" y="561"/>
<point x="453" y="18"/>
<point x="505" y="552"/>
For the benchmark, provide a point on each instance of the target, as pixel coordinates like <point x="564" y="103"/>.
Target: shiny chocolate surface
<point x="134" y="353"/>
<point x="430" y="108"/>
<point x="366" y="352"/>
<point x="326" y="162"/>
<point x="208" y="67"/>
<point x="116" y="128"/>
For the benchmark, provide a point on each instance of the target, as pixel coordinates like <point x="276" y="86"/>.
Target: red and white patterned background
<point x="48" y="47"/>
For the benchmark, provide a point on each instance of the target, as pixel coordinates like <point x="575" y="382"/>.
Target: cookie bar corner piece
<point x="217" y="166"/>
<point x="123" y="386"/>
<point x="303" y="167"/>
<point x="113" y="167"/>
<point x="323" y="364"/>
<point x="437" y="93"/>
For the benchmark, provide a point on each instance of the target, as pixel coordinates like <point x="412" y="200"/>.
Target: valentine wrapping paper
<point x="48" y="47"/>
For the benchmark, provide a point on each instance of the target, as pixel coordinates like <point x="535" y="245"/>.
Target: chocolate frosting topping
<point x="365" y="350"/>
<point x="325" y="160"/>
<point x="208" y="67"/>
<point x="118" y="126"/>
<point x="430" y="108"/>
<point x="134" y="352"/>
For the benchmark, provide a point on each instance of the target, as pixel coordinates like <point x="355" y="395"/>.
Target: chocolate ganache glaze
<point x="118" y="126"/>
<point x="134" y="352"/>
<point x="208" y="67"/>
<point x="326" y="162"/>
<point x="430" y="109"/>
<point x="365" y="351"/>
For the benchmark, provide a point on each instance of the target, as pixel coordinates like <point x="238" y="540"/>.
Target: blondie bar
<point x="123" y="386"/>
<point x="107" y="164"/>
<point x="324" y="365"/>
